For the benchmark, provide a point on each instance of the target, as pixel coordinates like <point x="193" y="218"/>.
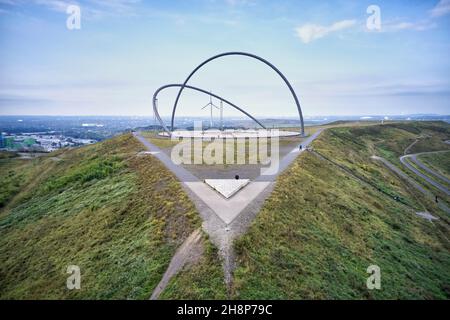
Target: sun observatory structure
<point x="223" y="133"/>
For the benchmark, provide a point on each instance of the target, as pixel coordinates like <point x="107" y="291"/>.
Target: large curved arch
<point x="155" y="107"/>
<point x="247" y="55"/>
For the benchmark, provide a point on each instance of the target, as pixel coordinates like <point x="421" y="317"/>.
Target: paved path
<point x="224" y="219"/>
<point x="403" y="175"/>
<point x="411" y="181"/>
<point x="226" y="209"/>
<point x="413" y="157"/>
<point x="405" y="162"/>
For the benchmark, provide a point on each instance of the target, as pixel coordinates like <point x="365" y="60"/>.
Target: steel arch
<point x="155" y="107"/>
<point x="184" y="85"/>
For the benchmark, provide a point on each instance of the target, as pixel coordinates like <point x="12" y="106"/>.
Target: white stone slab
<point x="227" y="187"/>
<point x="427" y="215"/>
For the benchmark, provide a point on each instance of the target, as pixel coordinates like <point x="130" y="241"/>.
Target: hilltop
<point x="120" y="215"/>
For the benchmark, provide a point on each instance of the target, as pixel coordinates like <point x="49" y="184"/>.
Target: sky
<point x="339" y="60"/>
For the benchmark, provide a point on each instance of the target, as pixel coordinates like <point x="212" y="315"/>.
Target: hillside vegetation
<point x="390" y="141"/>
<point x="322" y="227"/>
<point x="117" y="215"/>
<point x="120" y="216"/>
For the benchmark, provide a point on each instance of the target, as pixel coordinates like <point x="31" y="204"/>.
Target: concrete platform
<point x="227" y="187"/>
<point x="226" y="209"/>
<point x="213" y="133"/>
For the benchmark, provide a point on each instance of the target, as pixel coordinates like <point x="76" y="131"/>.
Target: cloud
<point x="240" y="2"/>
<point x="360" y="86"/>
<point x="441" y="9"/>
<point x="405" y="25"/>
<point x="90" y="8"/>
<point x="55" y="5"/>
<point x="310" y="32"/>
<point x="116" y="6"/>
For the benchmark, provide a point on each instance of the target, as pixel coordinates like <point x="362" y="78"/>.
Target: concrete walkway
<point x="226" y="209"/>
<point x="223" y="219"/>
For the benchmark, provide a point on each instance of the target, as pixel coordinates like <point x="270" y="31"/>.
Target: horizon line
<point x="234" y="117"/>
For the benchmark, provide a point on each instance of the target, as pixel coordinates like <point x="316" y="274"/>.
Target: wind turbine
<point x="211" y="105"/>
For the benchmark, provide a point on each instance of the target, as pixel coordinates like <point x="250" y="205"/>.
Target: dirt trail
<point x="410" y="146"/>
<point x="189" y="252"/>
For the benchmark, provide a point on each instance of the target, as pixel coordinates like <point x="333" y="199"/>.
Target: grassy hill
<point x="120" y="216"/>
<point x="391" y="141"/>
<point x="117" y="215"/>
<point x="322" y="227"/>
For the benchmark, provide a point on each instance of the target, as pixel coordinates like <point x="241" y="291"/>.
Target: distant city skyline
<point x="126" y="49"/>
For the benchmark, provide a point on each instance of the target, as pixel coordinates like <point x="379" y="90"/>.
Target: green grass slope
<point x="117" y="215"/>
<point x="321" y="227"/>
<point x="391" y="140"/>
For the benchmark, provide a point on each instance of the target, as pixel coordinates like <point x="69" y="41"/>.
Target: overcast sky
<point x="126" y="49"/>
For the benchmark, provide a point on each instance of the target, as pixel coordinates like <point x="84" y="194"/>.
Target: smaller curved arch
<point x="155" y="107"/>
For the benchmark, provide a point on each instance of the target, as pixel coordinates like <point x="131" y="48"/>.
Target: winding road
<point x="405" y="160"/>
<point x="413" y="157"/>
<point x="411" y="181"/>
